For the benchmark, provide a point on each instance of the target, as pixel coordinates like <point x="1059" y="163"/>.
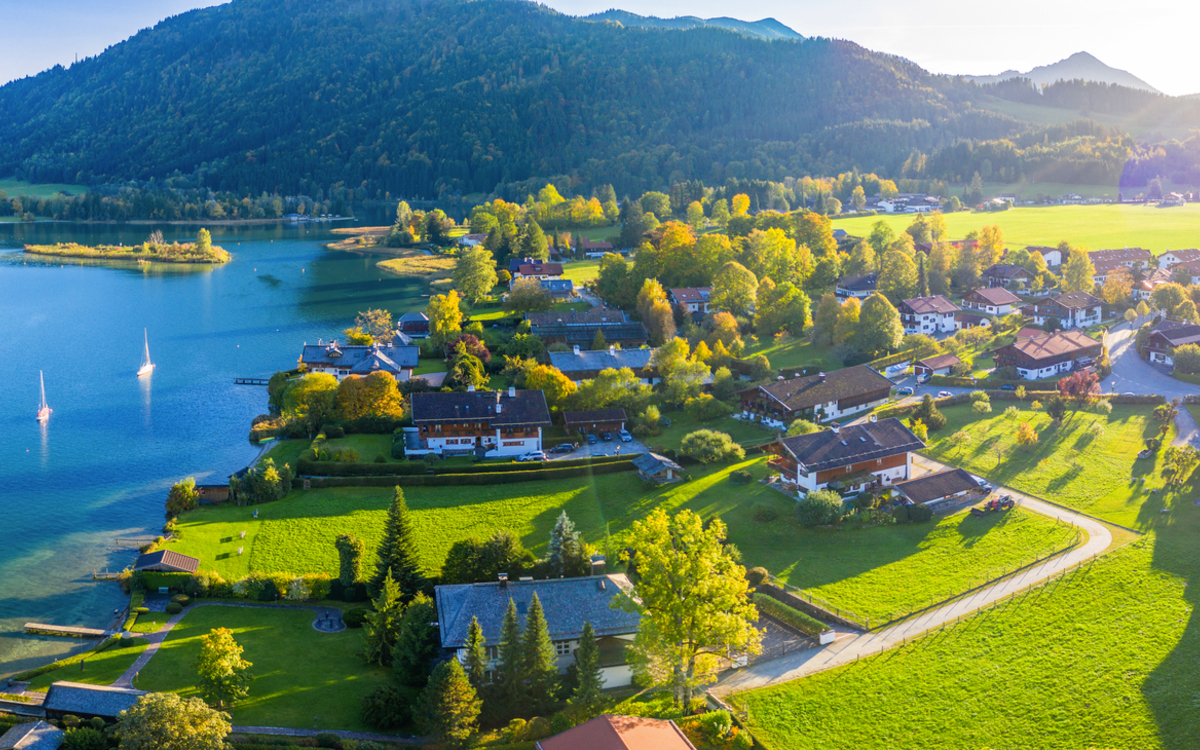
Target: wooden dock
<point x="251" y="381"/>
<point x="44" y="629"/>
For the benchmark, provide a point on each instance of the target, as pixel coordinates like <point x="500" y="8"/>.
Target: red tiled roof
<point x="997" y="296"/>
<point x="609" y="732"/>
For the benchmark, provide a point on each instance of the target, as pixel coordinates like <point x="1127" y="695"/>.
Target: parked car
<point x="905" y="391"/>
<point x="1008" y="387"/>
<point x="1145" y="453"/>
<point x="563" y="448"/>
<point x="592" y="439"/>
<point x="944" y="394"/>
<point x="607" y="437"/>
<point x="532" y="456"/>
<point x="625" y="436"/>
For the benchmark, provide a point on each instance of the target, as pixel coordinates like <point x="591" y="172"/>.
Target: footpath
<point x="853" y="646"/>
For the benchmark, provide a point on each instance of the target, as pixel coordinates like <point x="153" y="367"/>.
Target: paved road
<point x="1133" y="374"/>
<point x="852" y="646"/>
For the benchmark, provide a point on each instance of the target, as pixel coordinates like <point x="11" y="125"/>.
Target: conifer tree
<point x="565" y="552"/>
<point x="383" y="625"/>
<point x="587" y="697"/>
<point x="598" y="342"/>
<point x="541" y="671"/>
<point x="398" y="550"/>
<point x="510" y="681"/>
<point x="477" y="659"/>
<point x="922" y="277"/>
<point x="449" y="705"/>
<point x="416" y="642"/>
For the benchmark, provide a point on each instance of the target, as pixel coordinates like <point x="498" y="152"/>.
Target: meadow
<point x="302" y="678"/>
<point x="1095" y="227"/>
<point x="794" y="351"/>
<point x="20" y="188"/>
<point x="1098" y="474"/>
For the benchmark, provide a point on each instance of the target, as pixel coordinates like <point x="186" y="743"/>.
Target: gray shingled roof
<point x="811" y="391"/>
<point x="863" y="283"/>
<point x="567" y="602"/>
<point x="521" y="408"/>
<point x="827" y="449"/>
<point x="90" y="700"/>
<point x="652" y="463"/>
<point x="1076" y="300"/>
<point x="936" y="486"/>
<point x="934" y="304"/>
<point x="32" y="735"/>
<point x="997" y="296"/>
<point x="594" y="361"/>
<point x="593" y="415"/>
<point x="167" y="558"/>
<point x="361" y="360"/>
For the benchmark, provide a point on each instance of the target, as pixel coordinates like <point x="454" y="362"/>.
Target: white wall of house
<point x="808" y="482"/>
<point x="1162" y="358"/>
<point x="931" y="323"/>
<point x="342" y="373"/>
<point x="1046" y="372"/>
<point x="989" y="309"/>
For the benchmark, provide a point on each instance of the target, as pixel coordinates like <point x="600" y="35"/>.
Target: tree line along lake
<point x="100" y="467"/>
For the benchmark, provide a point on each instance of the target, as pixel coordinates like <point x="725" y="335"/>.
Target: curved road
<point x="850" y="647"/>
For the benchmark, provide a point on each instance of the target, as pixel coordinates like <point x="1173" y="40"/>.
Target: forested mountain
<point x="428" y="97"/>
<point x="767" y="28"/>
<point x="434" y="98"/>
<point x="1080" y="66"/>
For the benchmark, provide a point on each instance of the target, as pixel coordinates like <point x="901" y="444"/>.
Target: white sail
<point x="147" y="365"/>
<point x="43" y="409"/>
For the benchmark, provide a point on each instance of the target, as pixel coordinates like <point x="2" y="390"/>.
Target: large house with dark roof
<point x="536" y="269"/>
<point x="1048" y="356"/>
<point x="695" y="299"/>
<point x="568" y="603"/>
<point x="1130" y="257"/>
<point x="1074" y="310"/>
<point x="856" y="286"/>
<point x="932" y="489"/>
<point x="579" y="327"/>
<point x="1172" y="258"/>
<point x="847" y="459"/>
<point x="489" y="423"/>
<point x="928" y="315"/>
<point x="1167" y="336"/>
<point x="343" y="360"/>
<point x="817" y="398"/>
<point x="88" y="701"/>
<point x="581" y="364"/>
<point x="1006" y="275"/>
<point x="991" y="300"/>
<point x="414" y="325"/>
<point x="608" y="732"/>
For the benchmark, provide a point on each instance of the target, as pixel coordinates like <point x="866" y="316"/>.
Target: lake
<point x="101" y="466"/>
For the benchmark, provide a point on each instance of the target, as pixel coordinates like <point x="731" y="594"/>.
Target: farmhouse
<point x="581" y="364"/>
<point x="1167" y="336"/>
<point x="1104" y="269"/>
<point x="166" y="561"/>
<point x="471" y="240"/>
<point x="88" y="701"/>
<point x="594" y="249"/>
<point x="1173" y="258"/>
<point x="1047" y="356"/>
<point x="536" y="269"/>
<point x="695" y="299"/>
<point x="965" y="320"/>
<point x="1074" y="310"/>
<point x="1006" y="275"/>
<point x="932" y="489"/>
<point x="561" y="290"/>
<point x="608" y="732"/>
<point x="993" y="301"/>
<point x="342" y="360"/>
<point x="580" y="327"/>
<point x="939" y="365"/>
<point x="568" y="603"/>
<point x="414" y="324"/>
<point x="1130" y="257"/>
<point x="1052" y="255"/>
<point x="594" y="421"/>
<point x="491" y="424"/>
<point x="851" y="458"/>
<point x="1143" y="289"/>
<point x="856" y="286"/>
<point x="819" y="397"/>
<point x="928" y="315"/>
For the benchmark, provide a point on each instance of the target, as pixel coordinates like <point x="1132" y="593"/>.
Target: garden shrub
<point x="707" y="446"/>
<point x="333" y="431"/>
<point x="84" y="738"/>
<point x="174" y="608"/>
<point x="537" y="728"/>
<point x="398" y="449"/>
<point x="329" y="740"/>
<point x="345" y="456"/>
<point x="181" y="599"/>
<point x="920" y="513"/>
<point x="355" y="617"/>
<point x="97" y="723"/>
<point x="819" y="508"/>
<point x="380" y="458"/>
<point x="900" y="514"/>
<point x="764" y="513"/>
<point x="142" y="610"/>
<point x="789" y="616"/>
<point x="757" y="575"/>
<point x="741" y="476"/>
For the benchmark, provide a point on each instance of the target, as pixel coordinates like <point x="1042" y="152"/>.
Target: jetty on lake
<point x="43" y="629"/>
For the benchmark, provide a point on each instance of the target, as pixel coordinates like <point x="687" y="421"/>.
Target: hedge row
<point x="415" y="467"/>
<point x="462" y="480"/>
<point x="892" y="359"/>
<point x="789" y="616"/>
<point x="954" y="382"/>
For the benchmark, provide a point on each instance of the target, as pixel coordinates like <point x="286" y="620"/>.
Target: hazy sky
<point x="1149" y="38"/>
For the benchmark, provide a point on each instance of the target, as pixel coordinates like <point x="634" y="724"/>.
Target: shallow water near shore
<point x="101" y="466"/>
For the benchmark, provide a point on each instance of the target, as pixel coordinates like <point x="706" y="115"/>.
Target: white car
<point x="532" y="456"/>
<point x="944" y="394"/>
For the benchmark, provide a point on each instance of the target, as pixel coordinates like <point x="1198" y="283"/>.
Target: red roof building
<point x="608" y="732"/>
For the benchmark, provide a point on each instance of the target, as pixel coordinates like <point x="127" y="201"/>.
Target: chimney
<point x="499" y="406"/>
<point x="512" y="392"/>
<point x="612" y="349"/>
<point x="834" y="427"/>
<point x="821" y="377"/>
<point x="598" y="562"/>
<point x="503" y="580"/>
<point x="576" y="347"/>
<point x="780" y="378"/>
<point x="470" y="389"/>
<point x="874" y="418"/>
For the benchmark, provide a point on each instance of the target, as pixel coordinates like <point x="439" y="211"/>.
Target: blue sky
<point x="1151" y="39"/>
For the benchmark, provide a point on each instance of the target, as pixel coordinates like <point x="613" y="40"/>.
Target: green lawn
<point x="19" y="188"/>
<point x="150" y="622"/>
<point x="302" y="678"/>
<point x="1068" y="465"/>
<point x="99" y="669"/>
<point x="287" y="452"/>
<point x="490" y="312"/>
<point x="581" y="271"/>
<point x="1104" y="658"/>
<point x="885" y="571"/>
<point x="683" y="423"/>
<point x="796" y="352"/>
<point x="1095" y="227"/>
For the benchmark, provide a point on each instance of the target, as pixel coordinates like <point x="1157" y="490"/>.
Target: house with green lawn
<point x="847" y="459"/>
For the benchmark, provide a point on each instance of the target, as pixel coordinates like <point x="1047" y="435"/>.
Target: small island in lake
<point x="154" y="250"/>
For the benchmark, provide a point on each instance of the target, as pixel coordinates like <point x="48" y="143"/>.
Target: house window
<point x="563" y="648"/>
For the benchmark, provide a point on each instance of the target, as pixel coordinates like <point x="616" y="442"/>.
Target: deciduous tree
<point x="1078" y="272"/>
<point x="880" y="329"/>
<point x="445" y="317"/>
<point x="164" y="721"/>
<point x="222" y="670"/>
<point x="311" y="400"/>
<point x="735" y="289"/>
<point x="526" y="296"/>
<point x="1026" y="435"/>
<point x="707" y="446"/>
<point x="475" y="273"/>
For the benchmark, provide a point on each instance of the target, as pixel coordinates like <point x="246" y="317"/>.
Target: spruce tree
<point x="383" y="625"/>
<point x="449" y="705"/>
<point x="477" y="660"/>
<point x="598" y="341"/>
<point x="416" y="642"/>
<point x="541" y="671"/>
<point x="565" y="552"/>
<point x="398" y="551"/>
<point x="510" y="681"/>
<point x="587" y="697"/>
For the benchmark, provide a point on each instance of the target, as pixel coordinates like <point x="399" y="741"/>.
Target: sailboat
<point x="44" y="410"/>
<point x="147" y="366"/>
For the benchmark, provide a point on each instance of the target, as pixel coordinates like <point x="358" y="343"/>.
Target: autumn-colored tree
<point x="1117" y="286"/>
<point x="1079" y="387"/>
<point x="222" y="670"/>
<point x="880" y="329"/>
<point x="445" y="317"/>
<point x="735" y="289"/>
<point x="740" y="204"/>
<point x="558" y="388"/>
<point x="1078" y="272"/>
<point x="898" y="278"/>
<point x="1026" y="435"/>
<point x="990" y="246"/>
<point x="376" y="395"/>
<point x="846" y="326"/>
<point x="825" y="318"/>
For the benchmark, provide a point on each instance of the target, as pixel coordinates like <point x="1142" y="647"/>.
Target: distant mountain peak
<point x="766" y="28"/>
<point x="1081" y="65"/>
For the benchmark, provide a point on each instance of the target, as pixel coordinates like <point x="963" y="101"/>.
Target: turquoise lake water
<point x="100" y="468"/>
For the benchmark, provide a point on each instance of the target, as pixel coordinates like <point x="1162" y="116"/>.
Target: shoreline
<point x="183" y="222"/>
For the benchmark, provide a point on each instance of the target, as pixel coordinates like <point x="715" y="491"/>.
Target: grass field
<point x="302" y="678"/>
<point x="1069" y="465"/>
<point x="150" y="622"/>
<point x="99" y="669"/>
<point x="683" y="423"/>
<point x="796" y="352"/>
<point x="1095" y="227"/>
<point x="19" y="188"/>
<point x="581" y="271"/>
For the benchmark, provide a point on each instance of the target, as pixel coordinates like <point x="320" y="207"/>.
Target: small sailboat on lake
<point x="147" y="366"/>
<point x="43" y="410"/>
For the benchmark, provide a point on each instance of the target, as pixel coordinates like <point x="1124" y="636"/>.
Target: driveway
<point x="601" y="448"/>
<point x="852" y="646"/>
<point x="1132" y="374"/>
